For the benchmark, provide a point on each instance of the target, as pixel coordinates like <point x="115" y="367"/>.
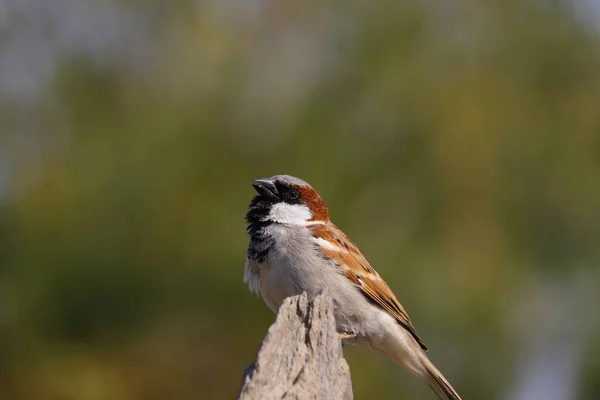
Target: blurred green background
<point x="457" y="143"/>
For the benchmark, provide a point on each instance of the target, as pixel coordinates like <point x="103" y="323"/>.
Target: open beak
<point x="265" y="187"/>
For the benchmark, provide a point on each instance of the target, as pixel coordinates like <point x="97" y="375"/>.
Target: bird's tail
<point x="401" y="347"/>
<point x="436" y="381"/>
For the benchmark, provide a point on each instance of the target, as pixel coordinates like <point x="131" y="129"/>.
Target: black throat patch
<point x="260" y="241"/>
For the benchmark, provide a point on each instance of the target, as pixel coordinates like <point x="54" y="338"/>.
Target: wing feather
<point x="356" y="268"/>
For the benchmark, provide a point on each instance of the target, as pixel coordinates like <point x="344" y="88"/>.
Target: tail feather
<point x="401" y="347"/>
<point x="439" y="384"/>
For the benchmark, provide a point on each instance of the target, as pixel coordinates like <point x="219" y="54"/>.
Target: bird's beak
<point x="265" y="187"/>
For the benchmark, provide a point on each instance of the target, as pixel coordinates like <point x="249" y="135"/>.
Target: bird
<point x="294" y="248"/>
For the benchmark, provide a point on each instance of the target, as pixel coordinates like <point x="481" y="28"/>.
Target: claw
<point x="347" y="335"/>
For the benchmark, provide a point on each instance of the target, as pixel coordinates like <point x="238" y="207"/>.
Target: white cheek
<point x="295" y="214"/>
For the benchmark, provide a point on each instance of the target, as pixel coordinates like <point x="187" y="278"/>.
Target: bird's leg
<point x="346" y="334"/>
<point x="346" y="337"/>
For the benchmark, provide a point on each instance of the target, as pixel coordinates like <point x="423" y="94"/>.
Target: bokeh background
<point x="457" y="143"/>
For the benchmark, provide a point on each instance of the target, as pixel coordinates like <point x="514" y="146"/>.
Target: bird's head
<point x="287" y="200"/>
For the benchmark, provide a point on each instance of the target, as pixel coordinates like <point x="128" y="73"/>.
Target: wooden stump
<point x="300" y="357"/>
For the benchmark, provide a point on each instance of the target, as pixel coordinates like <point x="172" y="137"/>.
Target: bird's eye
<point x="292" y="195"/>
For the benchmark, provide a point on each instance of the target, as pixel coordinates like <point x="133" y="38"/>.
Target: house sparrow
<point x="295" y="248"/>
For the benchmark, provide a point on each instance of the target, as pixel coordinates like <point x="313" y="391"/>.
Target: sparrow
<point x="295" y="248"/>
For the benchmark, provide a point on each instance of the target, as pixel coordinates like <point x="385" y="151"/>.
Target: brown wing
<point x="355" y="266"/>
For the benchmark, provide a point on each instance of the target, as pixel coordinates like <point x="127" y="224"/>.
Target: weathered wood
<point x="300" y="357"/>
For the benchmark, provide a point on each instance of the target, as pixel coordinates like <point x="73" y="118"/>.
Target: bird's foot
<point x="344" y="334"/>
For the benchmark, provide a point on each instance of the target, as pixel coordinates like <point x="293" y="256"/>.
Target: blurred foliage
<point x="458" y="145"/>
